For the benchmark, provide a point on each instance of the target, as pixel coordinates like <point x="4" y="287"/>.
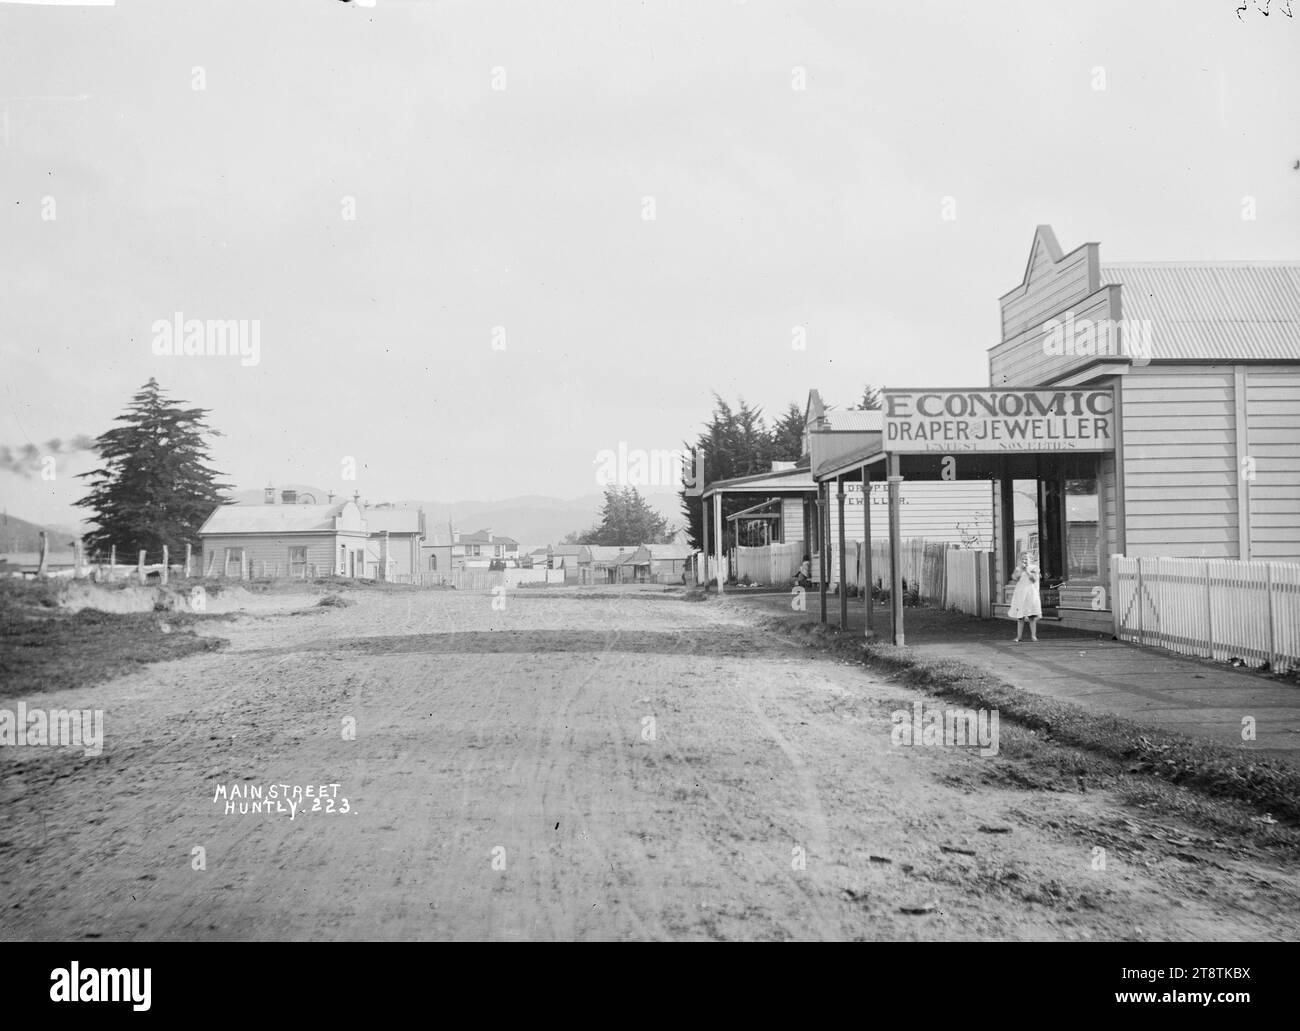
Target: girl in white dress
<point x="1026" y="604"/>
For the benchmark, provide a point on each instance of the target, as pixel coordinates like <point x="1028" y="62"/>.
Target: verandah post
<point x="717" y="543"/>
<point x="844" y="593"/>
<point x="895" y="547"/>
<point x="823" y="531"/>
<point x="869" y="590"/>
<point x="705" y="518"/>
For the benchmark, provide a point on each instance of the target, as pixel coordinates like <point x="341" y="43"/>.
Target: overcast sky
<point x="524" y="207"/>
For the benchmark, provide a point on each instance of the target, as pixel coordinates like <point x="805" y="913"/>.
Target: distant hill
<point x="20" y="535"/>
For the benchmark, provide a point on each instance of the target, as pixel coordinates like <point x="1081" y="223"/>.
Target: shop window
<point x="1024" y="521"/>
<point x="1082" y="539"/>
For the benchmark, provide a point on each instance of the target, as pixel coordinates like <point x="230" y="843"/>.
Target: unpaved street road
<point x="612" y="767"/>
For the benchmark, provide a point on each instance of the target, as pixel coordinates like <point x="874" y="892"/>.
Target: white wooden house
<point x="286" y="540"/>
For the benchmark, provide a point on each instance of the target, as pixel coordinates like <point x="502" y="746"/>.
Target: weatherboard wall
<point x="322" y="551"/>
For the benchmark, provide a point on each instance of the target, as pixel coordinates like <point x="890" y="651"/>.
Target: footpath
<point x="1146" y="685"/>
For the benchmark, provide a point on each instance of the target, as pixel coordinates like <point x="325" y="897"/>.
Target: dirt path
<point x="569" y="768"/>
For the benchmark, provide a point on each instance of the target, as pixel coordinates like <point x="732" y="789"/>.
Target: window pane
<point x="1025" y="518"/>
<point x="1082" y="541"/>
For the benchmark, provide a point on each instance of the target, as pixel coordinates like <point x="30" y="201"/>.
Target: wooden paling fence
<point x="771" y="563"/>
<point x="969" y="581"/>
<point x="923" y="563"/>
<point x="1213" y="608"/>
<point x="924" y="566"/>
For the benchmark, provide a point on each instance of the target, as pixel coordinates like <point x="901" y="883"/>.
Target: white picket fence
<point x="1213" y="608"/>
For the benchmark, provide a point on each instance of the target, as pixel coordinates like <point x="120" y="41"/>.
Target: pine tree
<point x="626" y="518"/>
<point x="870" y="399"/>
<point x="787" y="435"/>
<point x="154" y="487"/>
<point x="737" y="442"/>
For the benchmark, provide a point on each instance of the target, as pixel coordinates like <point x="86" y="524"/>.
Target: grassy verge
<point x="1270" y="785"/>
<point x="45" y="648"/>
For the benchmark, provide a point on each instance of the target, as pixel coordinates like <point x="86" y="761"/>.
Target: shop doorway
<point x="1056" y="520"/>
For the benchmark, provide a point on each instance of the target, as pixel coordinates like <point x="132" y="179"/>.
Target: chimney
<point x="331" y="497"/>
<point x="268" y="496"/>
<point x="489" y="533"/>
<point x="289" y="497"/>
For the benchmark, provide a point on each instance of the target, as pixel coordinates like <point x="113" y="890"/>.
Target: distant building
<point x="568" y="557"/>
<point x="599" y="563"/>
<point x="437" y="552"/>
<point x="397" y="533"/>
<point x="287" y="540"/>
<point x="661" y="563"/>
<point x="478" y="549"/>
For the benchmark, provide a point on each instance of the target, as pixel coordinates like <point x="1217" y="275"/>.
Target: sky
<point x="483" y="242"/>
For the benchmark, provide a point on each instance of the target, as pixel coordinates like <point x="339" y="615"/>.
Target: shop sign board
<point x="999" y="420"/>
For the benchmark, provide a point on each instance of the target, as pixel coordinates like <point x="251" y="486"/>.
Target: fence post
<point x="1209" y="607"/>
<point x="1272" y="636"/>
<point x="1114" y="603"/>
<point x="189" y="551"/>
<point x="163" y="576"/>
<point x="112" y="562"/>
<point x="1141" y="605"/>
<point x="139" y="567"/>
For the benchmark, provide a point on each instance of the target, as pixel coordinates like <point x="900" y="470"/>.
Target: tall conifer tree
<point x="154" y="487"/>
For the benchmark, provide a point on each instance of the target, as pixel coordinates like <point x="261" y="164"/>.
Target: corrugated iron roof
<point x="1213" y="310"/>
<point x="855" y="420"/>
<point x="791" y="479"/>
<point x="272" y="518"/>
<point x="666" y="552"/>
<point x="608" y="553"/>
<point x="481" y="537"/>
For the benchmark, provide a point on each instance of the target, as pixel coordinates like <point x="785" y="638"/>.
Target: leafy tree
<point x="154" y="487"/>
<point x="626" y="518"/>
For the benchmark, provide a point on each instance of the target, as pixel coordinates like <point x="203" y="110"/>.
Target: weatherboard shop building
<point x="1135" y="411"/>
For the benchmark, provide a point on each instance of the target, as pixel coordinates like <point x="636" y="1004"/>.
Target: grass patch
<point x="336" y="601"/>
<point x="51" y="651"/>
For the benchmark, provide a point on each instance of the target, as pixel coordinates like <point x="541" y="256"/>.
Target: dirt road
<point x="614" y="767"/>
